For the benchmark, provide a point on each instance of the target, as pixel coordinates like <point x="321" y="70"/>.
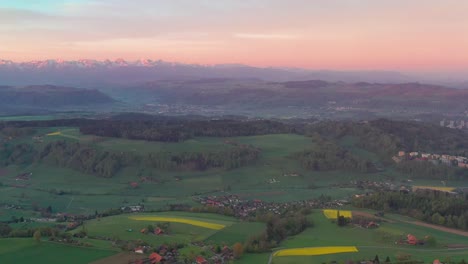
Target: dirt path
<point x="441" y="228"/>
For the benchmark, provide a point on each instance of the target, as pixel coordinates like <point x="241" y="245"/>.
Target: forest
<point x="326" y="155"/>
<point x="434" y="207"/>
<point x="101" y="163"/>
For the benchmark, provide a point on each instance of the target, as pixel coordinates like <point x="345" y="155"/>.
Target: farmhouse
<point x="411" y="239"/>
<point x="201" y="260"/>
<point x="155" y="258"/>
<point x="132" y="208"/>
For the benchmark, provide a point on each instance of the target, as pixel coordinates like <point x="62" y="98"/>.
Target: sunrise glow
<point x="417" y="35"/>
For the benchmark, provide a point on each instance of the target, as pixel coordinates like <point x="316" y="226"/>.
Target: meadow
<point x="370" y="242"/>
<point x="268" y="179"/>
<point x="184" y="227"/>
<point x="26" y="250"/>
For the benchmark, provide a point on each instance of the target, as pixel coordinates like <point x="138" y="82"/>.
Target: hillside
<point x="49" y="96"/>
<point x="314" y="97"/>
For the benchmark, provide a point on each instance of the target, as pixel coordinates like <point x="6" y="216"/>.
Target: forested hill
<point x="386" y="137"/>
<point x="382" y="136"/>
<point x="49" y="96"/>
<point x="165" y="129"/>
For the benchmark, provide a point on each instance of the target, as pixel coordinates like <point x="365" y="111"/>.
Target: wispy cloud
<point x="264" y="36"/>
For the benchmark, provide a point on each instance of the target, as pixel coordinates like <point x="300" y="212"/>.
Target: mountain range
<point x="94" y="73"/>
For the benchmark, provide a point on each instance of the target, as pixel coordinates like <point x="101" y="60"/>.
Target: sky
<point x="404" y="35"/>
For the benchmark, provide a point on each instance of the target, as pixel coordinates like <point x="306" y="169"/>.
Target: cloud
<point x="264" y="36"/>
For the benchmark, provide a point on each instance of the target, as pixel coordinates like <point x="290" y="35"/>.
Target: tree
<point x="150" y="229"/>
<point x="387" y="260"/>
<point x="238" y="250"/>
<point x="376" y="259"/>
<point x="4" y="230"/>
<point x="37" y="236"/>
<point x="341" y="221"/>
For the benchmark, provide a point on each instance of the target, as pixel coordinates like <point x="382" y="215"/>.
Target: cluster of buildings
<point x="455" y="124"/>
<point x="248" y="208"/>
<point x="379" y="186"/>
<point x="456" y="161"/>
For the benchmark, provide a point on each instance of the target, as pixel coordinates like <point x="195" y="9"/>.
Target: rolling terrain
<point x="37" y="183"/>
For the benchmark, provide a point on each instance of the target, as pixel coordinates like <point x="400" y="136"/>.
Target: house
<point x="139" y="250"/>
<point x="155" y="258"/>
<point x="414" y="154"/>
<point x="411" y="239"/>
<point x="372" y="224"/>
<point x="201" y="260"/>
<point x="436" y="261"/>
<point x="158" y="231"/>
<point x="401" y="153"/>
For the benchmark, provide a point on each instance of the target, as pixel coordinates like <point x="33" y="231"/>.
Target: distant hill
<point x="315" y="94"/>
<point x="49" y="96"/>
<point x="92" y="73"/>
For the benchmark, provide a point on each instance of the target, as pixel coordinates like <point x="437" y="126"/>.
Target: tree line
<point x="163" y="129"/>
<point x="327" y="155"/>
<point x="434" y="207"/>
<point x="87" y="159"/>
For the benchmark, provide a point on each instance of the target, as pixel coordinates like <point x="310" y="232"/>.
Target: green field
<point x="371" y="242"/>
<point x="119" y="226"/>
<point x="26" y="250"/>
<point x="82" y="193"/>
<point x="70" y="191"/>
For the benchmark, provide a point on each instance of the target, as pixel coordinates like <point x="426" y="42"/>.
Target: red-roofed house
<point x="201" y="260"/>
<point x="155" y="258"/>
<point x="436" y="261"/>
<point x="158" y="231"/>
<point x="412" y="240"/>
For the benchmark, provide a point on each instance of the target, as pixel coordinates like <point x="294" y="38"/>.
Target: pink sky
<point x="417" y="35"/>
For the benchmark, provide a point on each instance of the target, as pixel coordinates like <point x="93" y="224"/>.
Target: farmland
<point x="170" y="196"/>
<point x="333" y="214"/>
<point x="184" y="227"/>
<point x="24" y="250"/>
<point x="369" y="242"/>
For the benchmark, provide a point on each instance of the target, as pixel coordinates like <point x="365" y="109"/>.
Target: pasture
<point x="370" y="242"/>
<point x="26" y="250"/>
<point x="184" y="227"/>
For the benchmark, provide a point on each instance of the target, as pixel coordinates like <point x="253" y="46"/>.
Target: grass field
<point x="26" y="250"/>
<point x="237" y="232"/>
<point x="370" y="242"/>
<point x="184" y="227"/>
<point x="180" y="220"/>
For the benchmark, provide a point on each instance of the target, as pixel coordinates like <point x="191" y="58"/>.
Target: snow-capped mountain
<point x="94" y="73"/>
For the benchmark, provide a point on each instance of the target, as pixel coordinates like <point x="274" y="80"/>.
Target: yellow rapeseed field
<point x="179" y="220"/>
<point x="332" y="213"/>
<point x="54" y="133"/>
<point x="313" y="251"/>
<point x="443" y="189"/>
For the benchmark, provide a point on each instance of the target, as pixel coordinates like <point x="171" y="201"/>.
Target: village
<point x="436" y="159"/>
<point x="249" y="208"/>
